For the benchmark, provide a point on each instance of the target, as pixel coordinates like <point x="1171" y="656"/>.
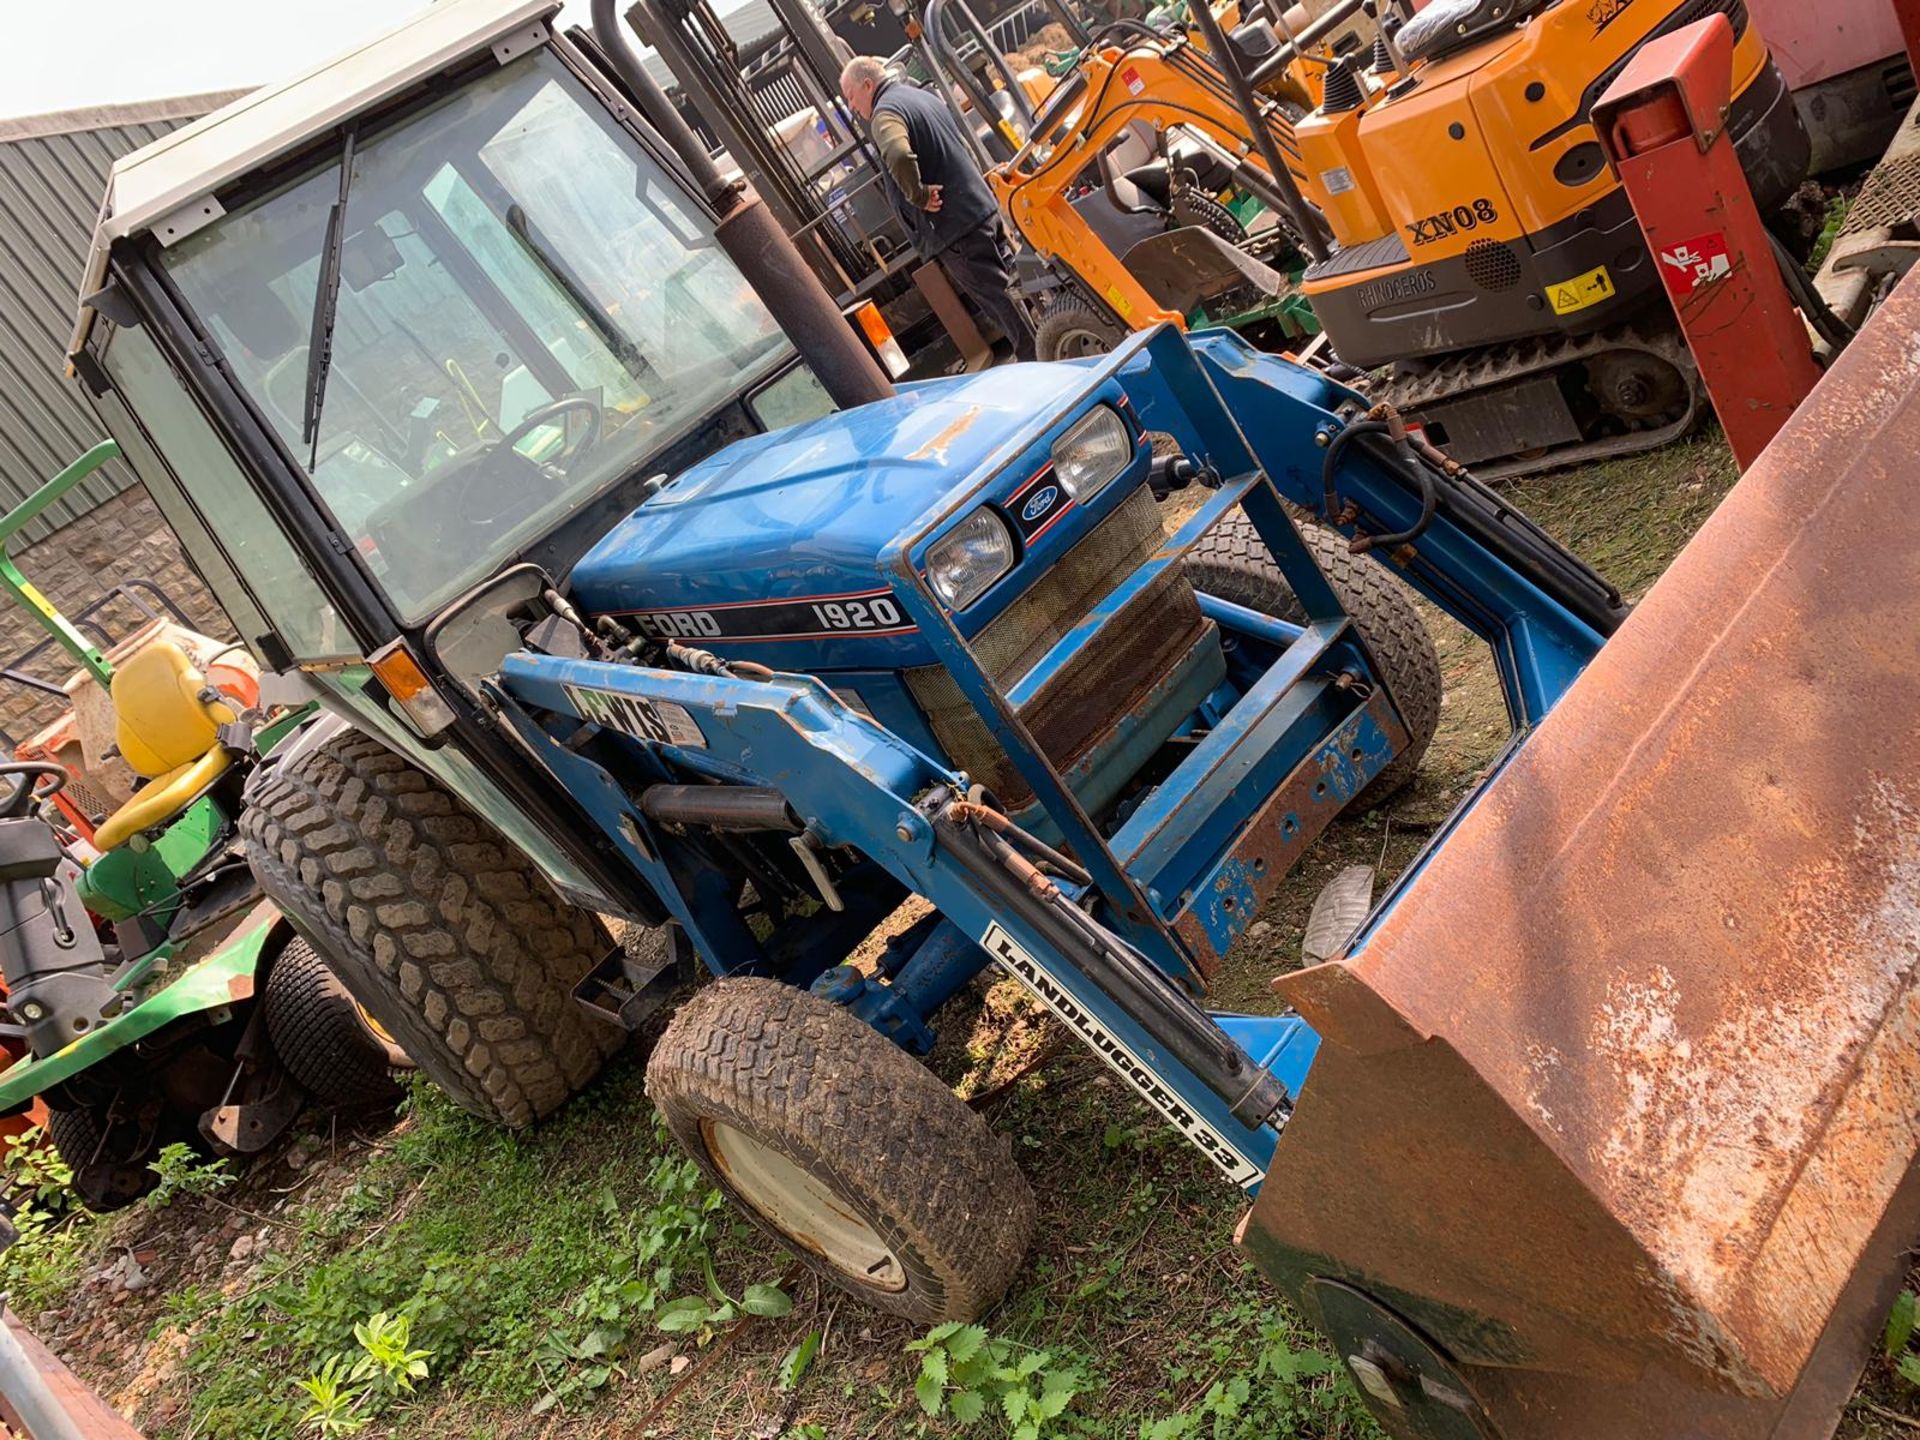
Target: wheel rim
<point x="397" y="1058"/>
<point x="806" y="1211"/>
<point x="1078" y="344"/>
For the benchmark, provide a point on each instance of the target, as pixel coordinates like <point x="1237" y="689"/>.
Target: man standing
<point x="938" y="192"/>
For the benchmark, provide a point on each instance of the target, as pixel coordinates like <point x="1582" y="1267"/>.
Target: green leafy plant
<point x="35" y="1173"/>
<point x="968" y="1374"/>
<point x="1898" y="1335"/>
<point x="391" y="1363"/>
<point x="793" y="1367"/>
<point x="183" y="1171"/>
<point x="706" y="1313"/>
<point x="349" y="1390"/>
<point x="1286" y="1390"/>
<point x="334" y="1398"/>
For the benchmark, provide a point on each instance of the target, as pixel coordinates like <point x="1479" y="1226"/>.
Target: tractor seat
<point x="167" y="731"/>
<point x="1449" y="25"/>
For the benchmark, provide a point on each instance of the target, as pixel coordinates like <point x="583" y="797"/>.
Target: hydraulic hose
<point x="1429" y="502"/>
<point x="1827" y="325"/>
<point x="1329" y="491"/>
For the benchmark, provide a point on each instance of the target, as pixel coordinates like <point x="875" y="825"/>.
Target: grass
<point x="533" y="1272"/>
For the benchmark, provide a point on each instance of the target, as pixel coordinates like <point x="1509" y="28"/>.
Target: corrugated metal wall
<point x="53" y="171"/>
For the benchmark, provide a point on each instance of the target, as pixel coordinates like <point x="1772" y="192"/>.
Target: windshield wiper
<point x="623" y="348"/>
<point x="326" y="301"/>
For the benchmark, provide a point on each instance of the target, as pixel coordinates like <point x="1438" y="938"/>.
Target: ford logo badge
<point x="1040" y="503"/>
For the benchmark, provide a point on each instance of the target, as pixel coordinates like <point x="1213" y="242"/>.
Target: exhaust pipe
<point x="753" y="239"/>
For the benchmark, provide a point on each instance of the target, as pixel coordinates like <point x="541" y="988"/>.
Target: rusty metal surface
<point x="1287" y="824"/>
<point x="1629" y="1077"/>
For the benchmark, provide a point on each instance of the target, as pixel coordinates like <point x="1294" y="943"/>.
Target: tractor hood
<point x="747" y="543"/>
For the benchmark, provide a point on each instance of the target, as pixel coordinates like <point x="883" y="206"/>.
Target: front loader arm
<point x="1233" y="408"/>
<point x="853" y="786"/>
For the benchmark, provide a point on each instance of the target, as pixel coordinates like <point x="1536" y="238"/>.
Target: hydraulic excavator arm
<point x="1167" y="85"/>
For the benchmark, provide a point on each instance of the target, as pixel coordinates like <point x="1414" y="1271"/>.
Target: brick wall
<point x="122" y="540"/>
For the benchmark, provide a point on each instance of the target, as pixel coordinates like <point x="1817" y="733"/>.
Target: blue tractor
<point x="514" y="434"/>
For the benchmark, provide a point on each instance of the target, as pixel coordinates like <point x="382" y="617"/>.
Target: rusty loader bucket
<point x="1613" y="1123"/>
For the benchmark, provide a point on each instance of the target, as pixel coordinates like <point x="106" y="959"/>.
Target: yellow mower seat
<point x="166" y="732"/>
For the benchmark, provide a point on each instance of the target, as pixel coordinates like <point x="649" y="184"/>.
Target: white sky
<point x="60" y="55"/>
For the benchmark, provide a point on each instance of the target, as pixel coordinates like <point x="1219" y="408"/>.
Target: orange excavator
<point x="1444" y="207"/>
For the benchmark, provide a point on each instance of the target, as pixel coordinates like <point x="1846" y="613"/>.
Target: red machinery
<point x="1663" y="126"/>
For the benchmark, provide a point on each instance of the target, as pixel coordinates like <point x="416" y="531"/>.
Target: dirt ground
<point x="535" y="1271"/>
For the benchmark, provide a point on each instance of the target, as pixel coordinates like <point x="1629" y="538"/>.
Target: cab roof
<point x="167" y="187"/>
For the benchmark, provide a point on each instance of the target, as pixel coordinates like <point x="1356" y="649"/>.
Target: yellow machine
<point x="1457" y="218"/>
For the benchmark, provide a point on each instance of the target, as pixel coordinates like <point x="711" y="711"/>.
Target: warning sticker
<point x="1338" y="180"/>
<point x="1129" y="1066"/>
<point x="1567" y="296"/>
<point x="1121" y="305"/>
<point x="1130" y="77"/>
<point x="1693" y="263"/>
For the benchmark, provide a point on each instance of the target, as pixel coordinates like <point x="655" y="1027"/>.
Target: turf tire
<point x="446" y="934"/>
<point x="1071" y="328"/>
<point x="1231" y="562"/>
<point x="811" y="1081"/>
<point x="104" y="1180"/>
<point x="320" y="1034"/>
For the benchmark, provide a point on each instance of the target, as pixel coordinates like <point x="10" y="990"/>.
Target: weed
<point x="35" y="1173"/>
<point x="55" y="1238"/>
<point x="392" y="1364"/>
<point x="183" y="1171"/>
<point x="333" y="1400"/>
<point x="706" y="1313"/>
<point x="1830" y="224"/>
<point x="969" y="1374"/>
<point x="793" y="1366"/>
<point x="1898" y="1335"/>
<point x="350" y="1390"/>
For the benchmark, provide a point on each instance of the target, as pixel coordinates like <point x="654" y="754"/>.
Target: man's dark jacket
<point x="965" y="202"/>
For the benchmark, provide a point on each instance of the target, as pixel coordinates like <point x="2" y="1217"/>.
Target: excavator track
<point x="1633" y="387"/>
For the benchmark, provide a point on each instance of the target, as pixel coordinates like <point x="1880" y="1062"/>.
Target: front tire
<point x="1232" y="563"/>
<point x="446" y="934"/>
<point x="110" y="1168"/>
<point x="844" y="1148"/>
<point x="1071" y="329"/>
<point x="321" y="1034"/>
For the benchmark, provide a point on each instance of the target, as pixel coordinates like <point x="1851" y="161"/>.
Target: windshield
<point x="528" y="307"/>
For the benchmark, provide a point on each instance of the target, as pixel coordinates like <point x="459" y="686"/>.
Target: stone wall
<point x="122" y="540"/>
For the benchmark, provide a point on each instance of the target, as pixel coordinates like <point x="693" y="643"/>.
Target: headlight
<point x="1090" y="454"/>
<point x="977" y="552"/>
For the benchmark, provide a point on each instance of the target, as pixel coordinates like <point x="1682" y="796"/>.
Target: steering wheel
<point x="552" y="410"/>
<point x="25" y="774"/>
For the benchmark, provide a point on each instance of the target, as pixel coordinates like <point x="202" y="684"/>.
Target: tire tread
<point x="446" y="933"/>
<point x="790" y="1067"/>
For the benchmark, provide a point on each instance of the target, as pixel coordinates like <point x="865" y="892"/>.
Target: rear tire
<point x="322" y="1036"/>
<point x="1232" y="563"/>
<point x="448" y="935"/>
<point x="817" y="1125"/>
<point x="106" y="1177"/>
<point x="1071" y="329"/>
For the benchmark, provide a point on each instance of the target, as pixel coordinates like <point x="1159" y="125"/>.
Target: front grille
<point x="1070" y="712"/>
